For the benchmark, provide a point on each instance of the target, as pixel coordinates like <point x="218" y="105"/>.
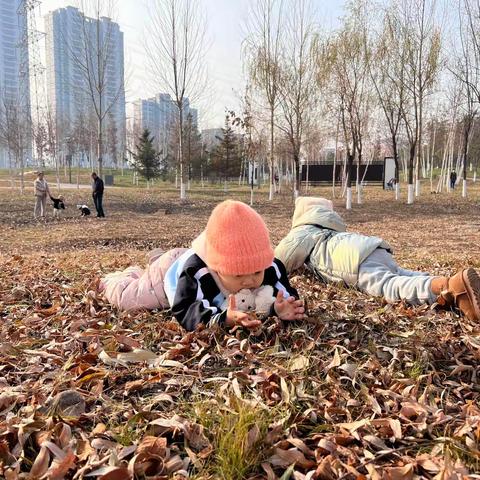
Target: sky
<point x="225" y="19"/>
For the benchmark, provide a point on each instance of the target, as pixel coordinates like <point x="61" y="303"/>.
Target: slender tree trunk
<point x="359" y="180"/>
<point x="419" y="144"/>
<point x="183" y="171"/>
<point x="335" y="161"/>
<point x="307" y="171"/>
<point x="22" y="171"/>
<point x="348" y="183"/>
<point x="411" y="186"/>
<point x="296" y="166"/>
<point x="251" y="182"/>
<point x="13" y="170"/>
<point x="465" y="159"/>
<point x="397" y="168"/>
<point x="272" y="144"/>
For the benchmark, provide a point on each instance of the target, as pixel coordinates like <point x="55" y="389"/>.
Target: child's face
<point x="234" y="283"/>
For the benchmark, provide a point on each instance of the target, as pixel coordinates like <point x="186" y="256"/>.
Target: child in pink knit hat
<point x="233" y="253"/>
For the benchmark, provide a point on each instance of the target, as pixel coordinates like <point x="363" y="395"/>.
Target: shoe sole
<point x="472" y="284"/>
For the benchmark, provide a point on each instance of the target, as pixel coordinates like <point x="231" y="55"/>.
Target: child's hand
<point x="236" y="317"/>
<point x="289" y="308"/>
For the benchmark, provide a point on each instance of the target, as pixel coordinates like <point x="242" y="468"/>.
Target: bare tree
<point x="51" y="147"/>
<point x="95" y="59"/>
<point x="466" y="67"/>
<point x="40" y="140"/>
<point x="15" y="135"/>
<point x="387" y="71"/>
<point x="263" y="49"/>
<point x="297" y="88"/>
<point x="421" y="42"/>
<point x="112" y="143"/>
<point x="347" y="57"/>
<point x="176" y="48"/>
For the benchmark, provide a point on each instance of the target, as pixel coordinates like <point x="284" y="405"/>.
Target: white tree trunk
<point x="57" y="172"/>
<point x="270" y="194"/>
<point x="474" y="177"/>
<point x="359" y="193"/>
<point x="296" y="193"/>
<point x="464" y="188"/>
<point x="183" y="193"/>
<point x="397" y="191"/>
<point x="349" y="198"/>
<point x="251" y="196"/>
<point x="411" y="193"/>
<point x="417" y="188"/>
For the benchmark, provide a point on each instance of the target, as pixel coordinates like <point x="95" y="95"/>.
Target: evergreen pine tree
<point x="228" y="150"/>
<point x="146" y="160"/>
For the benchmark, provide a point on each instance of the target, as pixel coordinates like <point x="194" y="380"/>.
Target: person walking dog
<point x="97" y="194"/>
<point x="41" y="192"/>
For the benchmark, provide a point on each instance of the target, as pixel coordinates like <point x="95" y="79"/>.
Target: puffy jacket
<point x="318" y="239"/>
<point x="136" y="288"/>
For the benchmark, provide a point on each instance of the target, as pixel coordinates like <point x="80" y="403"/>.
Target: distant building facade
<point x="159" y="115"/>
<point x="14" y="72"/>
<point x="211" y="138"/>
<point x="68" y="32"/>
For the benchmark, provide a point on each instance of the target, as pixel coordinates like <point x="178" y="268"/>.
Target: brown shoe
<point x="461" y="290"/>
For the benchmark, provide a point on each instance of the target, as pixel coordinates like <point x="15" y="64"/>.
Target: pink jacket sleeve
<point x="135" y="288"/>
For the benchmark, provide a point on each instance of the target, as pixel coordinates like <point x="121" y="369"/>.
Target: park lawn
<point x="360" y="390"/>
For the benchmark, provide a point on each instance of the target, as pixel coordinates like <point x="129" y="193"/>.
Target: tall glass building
<point x="69" y="35"/>
<point x="159" y="114"/>
<point x="14" y="72"/>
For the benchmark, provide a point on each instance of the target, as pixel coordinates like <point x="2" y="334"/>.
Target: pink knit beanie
<point x="237" y="240"/>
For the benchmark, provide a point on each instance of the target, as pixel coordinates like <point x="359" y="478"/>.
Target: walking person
<point x="453" y="179"/>
<point x="97" y="194"/>
<point x="41" y="190"/>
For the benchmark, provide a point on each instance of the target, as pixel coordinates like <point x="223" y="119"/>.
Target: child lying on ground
<point x="318" y="239"/>
<point x="233" y="253"/>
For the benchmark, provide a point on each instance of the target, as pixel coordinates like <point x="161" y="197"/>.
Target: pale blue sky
<point x="224" y="22"/>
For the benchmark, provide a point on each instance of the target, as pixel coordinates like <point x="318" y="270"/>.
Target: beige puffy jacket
<point x="319" y="240"/>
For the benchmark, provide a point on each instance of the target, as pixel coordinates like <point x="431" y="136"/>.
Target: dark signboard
<point x="324" y="173"/>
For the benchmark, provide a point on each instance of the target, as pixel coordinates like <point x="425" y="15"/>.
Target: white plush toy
<point x="245" y="300"/>
<point x="259" y="300"/>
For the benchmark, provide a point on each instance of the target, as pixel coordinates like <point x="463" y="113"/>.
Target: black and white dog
<point x="58" y="206"/>
<point x="85" y="211"/>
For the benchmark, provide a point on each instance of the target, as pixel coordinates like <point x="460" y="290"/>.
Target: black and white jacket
<point x="195" y="297"/>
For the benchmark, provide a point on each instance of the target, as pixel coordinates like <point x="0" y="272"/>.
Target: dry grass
<point x="409" y="376"/>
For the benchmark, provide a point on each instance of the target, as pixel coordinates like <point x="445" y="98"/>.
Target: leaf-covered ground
<point x="360" y="390"/>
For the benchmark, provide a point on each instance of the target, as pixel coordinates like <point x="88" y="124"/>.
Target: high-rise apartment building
<point x="71" y="50"/>
<point x="14" y="73"/>
<point x="211" y="138"/>
<point x="159" y="114"/>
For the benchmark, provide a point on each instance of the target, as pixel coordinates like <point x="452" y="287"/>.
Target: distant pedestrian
<point x="391" y="183"/>
<point x="41" y="191"/>
<point x="97" y="194"/>
<point x="453" y="179"/>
